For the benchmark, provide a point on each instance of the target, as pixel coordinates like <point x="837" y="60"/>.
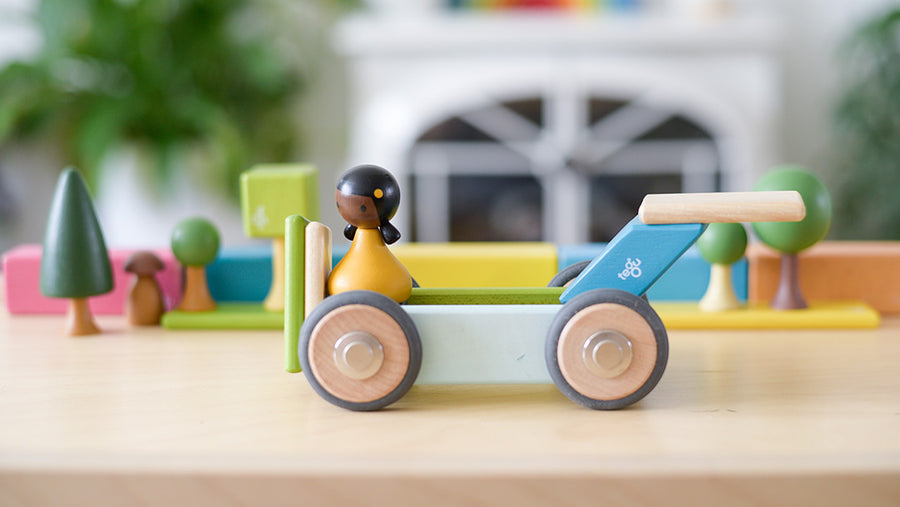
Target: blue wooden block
<point x="570" y="254"/>
<point x="635" y="258"/>
<point x="244" y="273"/>
<point x="241" y="273"/>
<point x="686" y="280"/>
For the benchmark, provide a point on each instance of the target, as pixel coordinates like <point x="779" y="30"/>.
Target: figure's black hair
<point x="367" y="180"/>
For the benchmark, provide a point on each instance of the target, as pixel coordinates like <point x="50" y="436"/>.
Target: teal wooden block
<point x="241" y="274"/>
<point x="635" y="258"/>
<point x="686" y="279"/>
<point x="483" y="344"/>
<point x="244" y="273"/>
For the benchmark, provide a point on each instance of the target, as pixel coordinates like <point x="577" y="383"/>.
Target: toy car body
<point x="597" y="339"/>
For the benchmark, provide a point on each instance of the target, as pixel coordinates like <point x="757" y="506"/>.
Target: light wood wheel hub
<point x="358" y="355"/>
<point x="606" y="351"/>
<point x="341" y="342"/>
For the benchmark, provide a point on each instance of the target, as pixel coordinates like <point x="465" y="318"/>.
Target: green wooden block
<point x="486" y="296"/>
<point x="225" y="316"/>
<point x="294" y="284"/>
<point x="272" y="192"/>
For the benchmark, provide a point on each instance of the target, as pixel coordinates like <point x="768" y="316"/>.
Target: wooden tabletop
<point x="143" y="416"/>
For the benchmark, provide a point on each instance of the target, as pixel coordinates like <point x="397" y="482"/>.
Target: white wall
<point x="812" y="30"/>
<point x="17" y="38"/>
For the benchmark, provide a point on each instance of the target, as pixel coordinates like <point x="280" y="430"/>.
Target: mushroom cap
<point x="143" y="263"/>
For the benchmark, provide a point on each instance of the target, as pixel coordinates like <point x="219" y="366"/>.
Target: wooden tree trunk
<point x="275" y="300"/>
<point x="719" y="295"/>
<point x="789" y="295"/>
<point x="196" y="291"/>
<point x="79" y="320"/>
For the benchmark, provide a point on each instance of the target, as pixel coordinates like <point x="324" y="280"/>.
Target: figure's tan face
<point x="357" y="210"/>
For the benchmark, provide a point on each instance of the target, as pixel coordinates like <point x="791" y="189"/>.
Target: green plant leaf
<point x="865" y="159"/>
<point x="163" y="73"/>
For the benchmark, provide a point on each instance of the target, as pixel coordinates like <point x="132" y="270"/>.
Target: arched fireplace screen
<point x="564" y="169"/>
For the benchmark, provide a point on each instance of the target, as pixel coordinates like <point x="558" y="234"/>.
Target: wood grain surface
<point x="146" y="417"/>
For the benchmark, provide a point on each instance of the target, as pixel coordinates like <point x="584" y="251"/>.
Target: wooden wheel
<point x="606" y="349"/>
<point x="360" y="350"/>
<point x="568" y="274"/>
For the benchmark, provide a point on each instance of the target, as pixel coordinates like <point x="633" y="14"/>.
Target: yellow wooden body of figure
<point x="370" y="265"/>
<point x="367" y="197"/>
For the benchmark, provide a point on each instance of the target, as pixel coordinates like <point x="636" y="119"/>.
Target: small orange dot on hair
<point x="379" y="193"/>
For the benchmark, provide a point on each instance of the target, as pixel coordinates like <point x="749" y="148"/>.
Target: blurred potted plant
<point x="218" y="76"/>
<point x="866" y="157"/>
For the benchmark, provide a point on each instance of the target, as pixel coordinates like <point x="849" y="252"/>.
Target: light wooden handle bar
<point x="776" y="206"/>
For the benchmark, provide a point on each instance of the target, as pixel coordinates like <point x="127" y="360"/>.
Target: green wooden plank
<point x="294" y="283"/>
<point x="486" y="296"/>
<point x="226" y="316"/>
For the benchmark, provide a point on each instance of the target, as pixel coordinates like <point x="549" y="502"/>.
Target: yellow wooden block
<point x="819" y="315"/>
<point x="479" y="264"/>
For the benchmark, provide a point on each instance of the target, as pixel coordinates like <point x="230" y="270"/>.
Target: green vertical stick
<point x="294" y="283"/>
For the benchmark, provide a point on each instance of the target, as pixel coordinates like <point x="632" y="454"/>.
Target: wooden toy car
<point x="597" y="339"/>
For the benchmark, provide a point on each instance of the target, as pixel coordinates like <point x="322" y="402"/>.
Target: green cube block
<point x="272" y="192"/>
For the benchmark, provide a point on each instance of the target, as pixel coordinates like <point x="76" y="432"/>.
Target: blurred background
<point x="503" y="119"/>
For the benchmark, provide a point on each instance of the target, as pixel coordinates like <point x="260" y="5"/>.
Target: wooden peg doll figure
<point x="367" y="197"/>
<point x="144" y="306"/>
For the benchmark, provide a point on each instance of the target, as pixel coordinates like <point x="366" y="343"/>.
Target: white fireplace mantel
<point x="410" y="72"/>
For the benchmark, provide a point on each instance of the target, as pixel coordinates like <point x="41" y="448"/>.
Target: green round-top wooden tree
<point x="721" y="245"/>
<point x="195" y="243"/>
<point x="74" y="263"/>
<point x="790" y="238"/>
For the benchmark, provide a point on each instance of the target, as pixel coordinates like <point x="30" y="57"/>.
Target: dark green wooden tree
<point x="75" y="263"/>
<point x="790" y="238"/>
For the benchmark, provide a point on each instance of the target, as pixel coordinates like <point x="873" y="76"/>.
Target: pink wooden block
<point x="22" y="275"/>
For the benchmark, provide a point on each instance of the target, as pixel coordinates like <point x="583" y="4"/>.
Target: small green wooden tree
<point x="195" y="243"/>
<point x="721" y="245"/>
<point x="790" y="238"/>
<point x="74" y="263"/>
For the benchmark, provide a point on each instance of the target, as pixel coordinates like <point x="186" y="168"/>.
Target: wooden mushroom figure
<point x="144" y="306"/>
